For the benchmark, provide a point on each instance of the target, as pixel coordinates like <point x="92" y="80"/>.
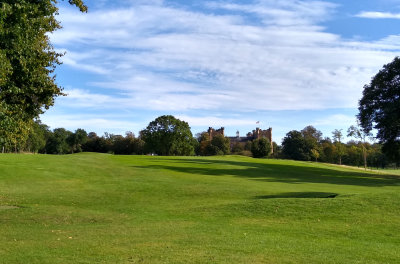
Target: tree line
<point x="310" y="145"/>
<point x="40" y="139"/>
<point x="167" y="135"/>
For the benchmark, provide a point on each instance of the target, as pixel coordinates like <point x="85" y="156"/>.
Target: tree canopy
<point x="379" y="107"/>
<point x="27" y="61"/>
<point x="298" y="145"/>
<point x="260" y="148"/>
<point x="294" y="146"/>
<point x="167" y="135"/>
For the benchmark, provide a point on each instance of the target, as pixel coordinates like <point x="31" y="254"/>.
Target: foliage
<point x="128" y="145"/>
<point x="276" y="150"/>
<point x="13" y="131"/>
<point x="296" y="146"/>
<point x="97" y="144"/>
<point x="311" y="133"/>
<point x="204" y="144"/>
<point x="379" y="107"/>
<point x="315" y="154"/>
<point x="57" y="142"/>
<point x="392" y="150"/>
<point x="218" y="145"/>
<point x="167" y="135"/>
<point x="360" y="134"/>
<point x="27" y="64"/>
<point x="260" y="148"/>
<point x="238" y="147"/>
<point x="328" y="151"/>
<point x="36" y="141"/>
<point x="300" y="145"/>
<point x="337" y="139"/>
<point x="77" y="139"/>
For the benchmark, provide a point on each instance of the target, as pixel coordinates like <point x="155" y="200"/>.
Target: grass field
<point x="97" y="208"/>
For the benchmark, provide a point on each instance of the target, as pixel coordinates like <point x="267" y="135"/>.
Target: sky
<point x="284" y="64"/>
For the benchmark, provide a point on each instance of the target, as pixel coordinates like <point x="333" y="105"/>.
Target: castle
<point x="255" y="134"/>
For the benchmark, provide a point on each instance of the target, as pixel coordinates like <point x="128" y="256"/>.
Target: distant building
<point x="212" y="132"/>
<point x="255" y="134"/>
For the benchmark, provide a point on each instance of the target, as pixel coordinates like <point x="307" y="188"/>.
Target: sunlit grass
<point x="96" y="208"/>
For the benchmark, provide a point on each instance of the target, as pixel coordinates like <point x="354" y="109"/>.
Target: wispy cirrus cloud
<point x="258" y="56"/>
<point x="378" y="15"/>
<point x="215" y="121"/>
<point x="97" y="123"/>
<point x="283" y="12"/>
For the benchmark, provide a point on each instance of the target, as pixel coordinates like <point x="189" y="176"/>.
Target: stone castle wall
<point x="212" y="132"/>
<point x="255" y="134"/>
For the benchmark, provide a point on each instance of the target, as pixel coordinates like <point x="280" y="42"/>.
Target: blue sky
<point x="284" y="63"/>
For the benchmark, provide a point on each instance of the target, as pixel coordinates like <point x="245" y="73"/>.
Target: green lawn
<point x="97" y="208"/>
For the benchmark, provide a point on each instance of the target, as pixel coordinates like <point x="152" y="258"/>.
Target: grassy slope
<point x="94" y="208"/>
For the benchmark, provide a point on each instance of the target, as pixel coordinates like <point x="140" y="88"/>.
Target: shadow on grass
<point x="299" y="195"/>
<point x="286" y="173"/>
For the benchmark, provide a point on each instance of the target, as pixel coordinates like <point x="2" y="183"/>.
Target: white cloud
<point x="97" y="123"/>
<point x="160" y="57"/>
<point x="378" y="15"/>
<point x="337" y="120"/>
<point x="83" y="99"/>
<point x="214" y="121"/>
<point x="283" y="12"/>
<point x="77" y="60"/>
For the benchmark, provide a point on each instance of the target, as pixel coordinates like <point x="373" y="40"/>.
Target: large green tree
<point x="27" y="61"/>
<point x="221" y="145"/>
<point x="57" y="143"/>
<point x="379" y="108"/>
<point x="302" y="145"/>
<point x="294" y="146"/>
<point x="77" y="139"/>
<point x="167" y="135"/>
<point x="260" y="148"/>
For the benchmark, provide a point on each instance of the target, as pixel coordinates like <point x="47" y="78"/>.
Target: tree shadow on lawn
<point x="299" y="195"/>
<point x="285" y="173"/>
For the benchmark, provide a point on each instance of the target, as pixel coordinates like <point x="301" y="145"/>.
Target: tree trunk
<point x="365" y="157"/>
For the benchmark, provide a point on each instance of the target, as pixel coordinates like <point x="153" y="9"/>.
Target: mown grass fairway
<point x="94" y="208"/>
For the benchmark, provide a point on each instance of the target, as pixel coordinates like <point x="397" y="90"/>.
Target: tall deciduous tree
<point x="57" y="141"/>
<point x="77" y="139"/>
<point x="36" y="141"/>
<point x="337" y="139"/>
<point x="167" y="135"/>
<point x="361" y="135"/>
<point x="27" y="60"/>
<point x="294" y="146"/>
<point x="379" y="108"/>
